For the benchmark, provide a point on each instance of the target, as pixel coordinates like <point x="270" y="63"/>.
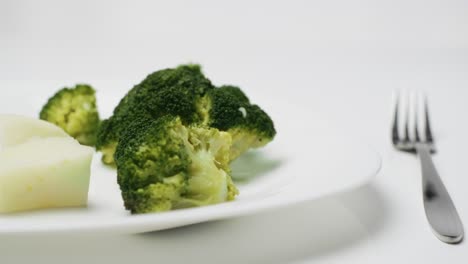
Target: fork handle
<point x="440" y="210"/>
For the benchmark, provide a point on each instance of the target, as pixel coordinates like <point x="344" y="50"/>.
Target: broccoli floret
<point x="173" y="136"/>
<point x="163" y="164"/>
<point x="75" y="111"/>
<point x="228" y="109"/>
<point x="169" y="91"/>
<point x="236" y="92"/>
<point x="108" y="149"/>
<point x="187" y="93"/>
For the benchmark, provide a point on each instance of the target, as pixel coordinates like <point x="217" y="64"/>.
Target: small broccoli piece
<point x="163" y="164"/>
<point x="169" y="91"/>
<point x="75" y="111"/>
<point x="228" y="109"/>
<point x="108" y="149"/>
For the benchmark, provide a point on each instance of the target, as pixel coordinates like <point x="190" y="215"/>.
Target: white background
<point x="342" y="58"/>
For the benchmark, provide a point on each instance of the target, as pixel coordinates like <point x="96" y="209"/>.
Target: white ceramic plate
<point x="308" y="160"/>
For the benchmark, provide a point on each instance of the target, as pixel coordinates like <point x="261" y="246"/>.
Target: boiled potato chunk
<point x="16" y="129"/>
<point x="43" y="172"/>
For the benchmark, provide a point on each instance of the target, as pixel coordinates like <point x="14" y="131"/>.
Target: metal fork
<point x="440" y="210"/>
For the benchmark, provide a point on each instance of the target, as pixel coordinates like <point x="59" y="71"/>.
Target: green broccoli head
<point x="75" y="111"/>
<point x="228" y="109"/>
<point x="185" y="92"/>
<point x="169" y="91"/>
<point x="163" y="164"/>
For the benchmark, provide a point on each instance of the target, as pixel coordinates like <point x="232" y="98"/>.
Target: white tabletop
<point x="342" y="58"/>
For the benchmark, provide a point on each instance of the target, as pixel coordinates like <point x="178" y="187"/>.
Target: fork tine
<point x="427" y="126"/>
<point x="395" y="137"/>
<point x="417" y="117"/>
<point x="406" y="136"/>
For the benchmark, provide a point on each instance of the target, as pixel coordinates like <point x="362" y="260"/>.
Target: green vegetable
<point x="230" y="110"/>
<point x="173" y="136"/>
<point x="169" y="91"/>
<point x="164" y="165"/>
<point x="75" y="111"/>
<point x="185" y="92"/>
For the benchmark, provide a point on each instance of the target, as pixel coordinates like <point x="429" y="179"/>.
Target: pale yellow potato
<point x="44" y="173"/>
<point x="41" y="166"/>
<point x="16" y="129"/>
